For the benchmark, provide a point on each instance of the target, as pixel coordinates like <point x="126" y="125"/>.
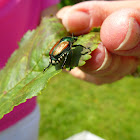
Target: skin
<point x="118" y="54"/>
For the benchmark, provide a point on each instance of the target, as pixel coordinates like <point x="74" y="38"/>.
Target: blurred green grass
<point x="69" y="106"/>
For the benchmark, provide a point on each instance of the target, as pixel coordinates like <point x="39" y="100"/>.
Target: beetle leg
<point x="65" y="60"/>
<point x="48" y="65"/>
<point x="82" y="47"/>
<point x="71" y="53"/>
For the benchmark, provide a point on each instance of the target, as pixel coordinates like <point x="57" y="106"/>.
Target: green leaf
<point x="90" y="40"/>
<point x="23" y="76"/>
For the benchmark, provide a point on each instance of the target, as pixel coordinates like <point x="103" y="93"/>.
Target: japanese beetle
<point x="61" y="50"/>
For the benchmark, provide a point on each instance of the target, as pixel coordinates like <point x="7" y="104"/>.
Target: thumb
<point x="82" y="17"/>
<point x="120" y="32"/>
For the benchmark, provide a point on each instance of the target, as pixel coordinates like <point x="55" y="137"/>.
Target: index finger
<point x="82" y="17"/>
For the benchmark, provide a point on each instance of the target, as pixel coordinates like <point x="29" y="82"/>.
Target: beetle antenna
<point x="72" y="34"/>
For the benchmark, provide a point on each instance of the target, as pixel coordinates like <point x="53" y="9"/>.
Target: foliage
<point x="23" y="76"/>
<point x="110" y="111"/>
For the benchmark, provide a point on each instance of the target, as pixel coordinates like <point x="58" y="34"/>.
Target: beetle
<point x="61" y="50"/>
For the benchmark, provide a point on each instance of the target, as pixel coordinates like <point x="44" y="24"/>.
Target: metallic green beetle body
<point x="61" y="50"/>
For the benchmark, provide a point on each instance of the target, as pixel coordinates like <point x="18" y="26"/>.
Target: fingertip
<point x="60" y="14"/>
<point x="113" y="30"/>
<point x="77" y="22"/>
<point x="121" y="31"/>
<point x="82" y="17"/>
<point x="97" y="60"/>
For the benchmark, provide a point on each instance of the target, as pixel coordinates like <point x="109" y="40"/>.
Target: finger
<point x="60" y="14"/>
<point x="120" y="32"/>
<point x="125" y="68"/>
<point x="81" y="17"/>
<point x="103" y="63"/>
<point x="100" y="60"/>
<point x="76" y="72"/>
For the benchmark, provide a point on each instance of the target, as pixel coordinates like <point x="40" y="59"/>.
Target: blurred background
<point x="69" y="106"/>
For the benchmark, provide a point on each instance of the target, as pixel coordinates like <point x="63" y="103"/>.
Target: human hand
<point x="119" y="53"/>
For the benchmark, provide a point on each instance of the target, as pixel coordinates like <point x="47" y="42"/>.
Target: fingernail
<point x="132" y="37"/>
<point x="77" y="22"/>
<point x="107" y="61"/>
